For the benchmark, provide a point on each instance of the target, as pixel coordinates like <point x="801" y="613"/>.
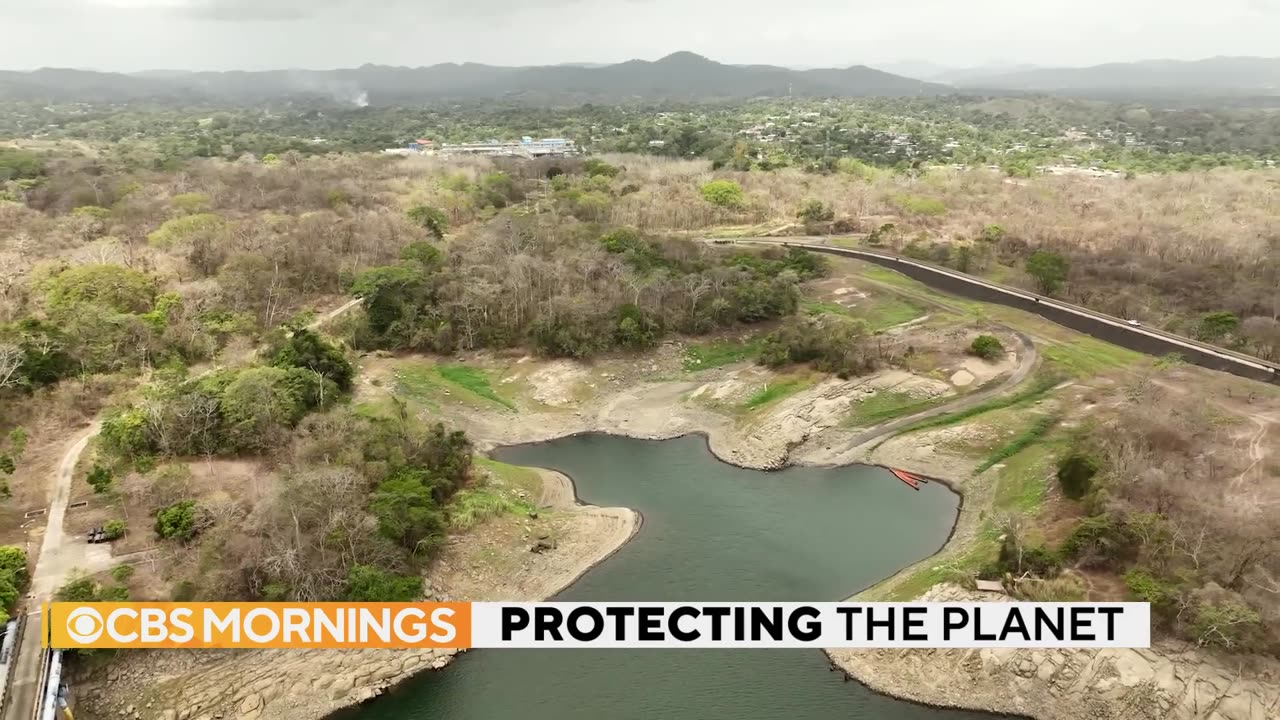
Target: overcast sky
<point x="262" y="34"/>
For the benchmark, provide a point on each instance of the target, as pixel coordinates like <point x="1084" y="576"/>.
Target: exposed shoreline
<point x="968" y="680"/>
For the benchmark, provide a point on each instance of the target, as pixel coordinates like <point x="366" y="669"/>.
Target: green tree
<point x="366" y="583"/>
<point x="1217" y="325"/>
<point x="815" y="211"/>
<point x="78" y="589"/>
<point x="424" y="253"/>
<point x="1049" y="270"/>
<point x="407" y="512"/>
<point x="987" y="347"/>
<point x="178" y="521"/>
<point x="13" y="562"/>
<point x="394" y="296"/>
<point x="992" y="234"/>
<point x="431" y="219"/>
<point x="306" y="349"/>
<point x="723" y="193"/>
<point x="258" y="407"/>
<point x="19" y="164"/>
<point x="636" y="329"/>
<point x="599" y="168"/>
<point x="100" y="479"/>
<point x="125" y="433"/>
<point x="115" y="529"/>
<point x="114" y="286"/>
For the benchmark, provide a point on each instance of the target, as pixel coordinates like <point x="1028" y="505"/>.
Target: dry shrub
<point x="1064" y="588"/>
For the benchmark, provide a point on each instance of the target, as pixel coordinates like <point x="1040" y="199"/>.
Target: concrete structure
<point x="526" y="147"/>
<point x="1099" y="325"/>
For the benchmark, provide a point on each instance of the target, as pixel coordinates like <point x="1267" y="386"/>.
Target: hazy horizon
<point x="888" y="66"/>
<point x="138" y="35"/>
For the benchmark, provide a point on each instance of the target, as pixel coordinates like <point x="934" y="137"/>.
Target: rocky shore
<point x="1169" y="681"/>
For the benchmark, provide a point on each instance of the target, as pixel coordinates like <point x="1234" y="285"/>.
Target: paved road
<point x="21" y="696"/>
<point x="1104" y="327"/>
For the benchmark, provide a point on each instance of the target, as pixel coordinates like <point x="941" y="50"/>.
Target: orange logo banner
<point x="258" y="625"/>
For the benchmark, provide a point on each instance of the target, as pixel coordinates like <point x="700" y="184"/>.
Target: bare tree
<point x="11" y="358"/>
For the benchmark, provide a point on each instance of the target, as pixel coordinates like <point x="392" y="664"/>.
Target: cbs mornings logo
<point x="257" y="625"/>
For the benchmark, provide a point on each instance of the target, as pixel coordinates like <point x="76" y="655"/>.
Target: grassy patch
<point x="1040" y="385"/>
<point x="718" y="353"/>
<point x="889" y="277"/>
<point x="1022" y="482"/>
<point x="1084" y="356"/>
<point x="887" y="405"/>
<point x="472" y="506"/>
<point x="473" y="380"/>
<point x="775" y="391"/>
<point x="879" y="313"/>
<point x="419" y="382"/>
<point x="1020" y="442"/>
<point x="849" y="242"/>
<point x="514" y="476"/>
<point x="886" y="312"/>
<point x="817" y="307"/>
<point x="958" y="569"/>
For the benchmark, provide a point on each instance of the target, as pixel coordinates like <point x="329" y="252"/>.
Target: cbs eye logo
<point x="85" y="625"/>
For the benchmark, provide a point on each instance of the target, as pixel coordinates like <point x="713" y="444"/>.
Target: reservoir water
<point x="712" y="532"/>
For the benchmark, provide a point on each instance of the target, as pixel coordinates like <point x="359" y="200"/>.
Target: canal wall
<point x="1113" y="330"/>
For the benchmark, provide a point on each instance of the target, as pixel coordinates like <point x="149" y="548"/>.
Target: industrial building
<point x="525" y="147"/>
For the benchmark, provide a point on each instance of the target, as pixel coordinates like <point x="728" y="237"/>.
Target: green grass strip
<point x="719" y="353"/>
<point x="473" y="380"/>
<point x="772" y="392"/>
<point x="1041" y="385"/>
<point x="1020" y="442"/>
<point x="887" y="405"/>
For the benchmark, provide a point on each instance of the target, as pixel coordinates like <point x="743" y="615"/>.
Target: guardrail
<point x="1112" y="329"/>
<point x="8" y="650"/>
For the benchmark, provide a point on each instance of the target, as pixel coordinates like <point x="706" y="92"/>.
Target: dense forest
<point x="1015" y="134"/>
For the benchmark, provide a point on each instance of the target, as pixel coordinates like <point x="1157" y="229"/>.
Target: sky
<point x="131" y="35"/>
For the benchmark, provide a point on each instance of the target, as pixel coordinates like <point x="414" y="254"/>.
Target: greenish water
<point x="711" y="532"/>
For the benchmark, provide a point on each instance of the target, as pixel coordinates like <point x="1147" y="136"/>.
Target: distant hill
<point x="680" y="76"/>
<point x="1218" y="75"/>
<point x="933" y="72"/>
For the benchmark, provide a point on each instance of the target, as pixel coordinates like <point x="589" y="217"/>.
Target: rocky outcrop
<point x="1166" y="682"/>
<point x="252" y="685"/>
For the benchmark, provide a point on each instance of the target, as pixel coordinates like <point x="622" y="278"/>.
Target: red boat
<point x="906" y="477"/>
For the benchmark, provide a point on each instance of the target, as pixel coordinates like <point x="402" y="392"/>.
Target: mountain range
<point x="680" y="76"/>
<point x="1211" y="76"/>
